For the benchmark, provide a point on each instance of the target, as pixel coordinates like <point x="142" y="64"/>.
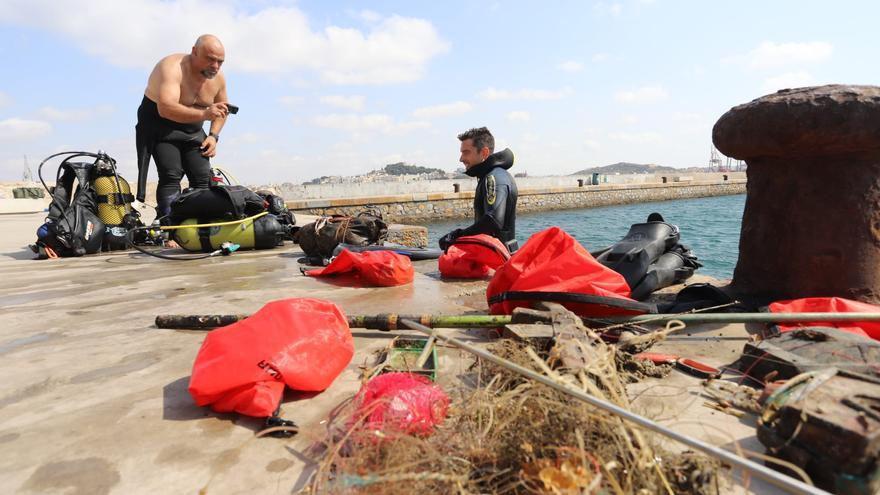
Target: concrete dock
<point x="94" y="397"/>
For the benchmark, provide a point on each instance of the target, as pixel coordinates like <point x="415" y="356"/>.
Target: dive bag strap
<point x="118" y="198"/>
<point x="459" y="241"/>
<point x="575" y="297"/>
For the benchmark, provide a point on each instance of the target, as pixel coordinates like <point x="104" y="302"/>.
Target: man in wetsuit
<point x="495" y="197"/>
<point x="183" y="91"/>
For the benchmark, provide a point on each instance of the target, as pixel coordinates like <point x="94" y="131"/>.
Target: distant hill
<point x="628" y="168"/>
<point x="401" y="168"/>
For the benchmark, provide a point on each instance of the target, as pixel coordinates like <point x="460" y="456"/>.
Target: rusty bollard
<point x="811" y="225"/>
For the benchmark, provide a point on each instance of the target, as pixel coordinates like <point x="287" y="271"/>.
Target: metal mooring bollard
<point x="811" y="225"/>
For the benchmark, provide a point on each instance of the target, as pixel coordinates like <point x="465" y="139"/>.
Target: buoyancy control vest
<point x="90" y="208"/>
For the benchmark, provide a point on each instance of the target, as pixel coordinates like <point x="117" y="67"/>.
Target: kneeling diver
<point x="495" y="196"/>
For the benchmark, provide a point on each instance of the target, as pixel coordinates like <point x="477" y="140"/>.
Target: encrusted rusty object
<point x="811" y="225"/>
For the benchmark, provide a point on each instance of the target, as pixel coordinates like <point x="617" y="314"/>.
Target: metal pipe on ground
<point x="390" y="321"/>
<point x="773" y="477"/>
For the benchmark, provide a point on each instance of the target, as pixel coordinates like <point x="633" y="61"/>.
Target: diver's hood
<point x="503" y="159"/>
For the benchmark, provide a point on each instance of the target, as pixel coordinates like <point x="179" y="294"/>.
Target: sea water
<point x="709" y="226"/>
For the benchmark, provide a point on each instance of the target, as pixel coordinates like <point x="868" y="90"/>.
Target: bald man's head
<point x="208" y="40"/>
<point x="208" y="55"/>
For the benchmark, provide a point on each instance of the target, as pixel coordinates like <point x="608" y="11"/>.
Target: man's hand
<point x="209" y="147"/>
<point x="448" y="239"/>
<point x="216" y="111"/>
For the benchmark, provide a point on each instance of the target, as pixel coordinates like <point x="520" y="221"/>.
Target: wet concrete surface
<point x="94" y="397"/>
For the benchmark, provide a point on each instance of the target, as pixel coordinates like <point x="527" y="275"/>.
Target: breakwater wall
<point x="422" y="207"/>
<point x="409" y="184"/>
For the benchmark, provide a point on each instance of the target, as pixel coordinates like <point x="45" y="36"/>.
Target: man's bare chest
<point x="197" y="95"/>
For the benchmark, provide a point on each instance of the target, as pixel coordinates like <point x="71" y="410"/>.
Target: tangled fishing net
<point x="507" y="434"/>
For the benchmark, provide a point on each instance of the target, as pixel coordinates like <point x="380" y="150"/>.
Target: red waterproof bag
<point x="829" y="305"/>
<point x="473" y="256"/>
<point x="301" y="343"/>
<point x="553" y="266"/>
<point x="377" y="268"/>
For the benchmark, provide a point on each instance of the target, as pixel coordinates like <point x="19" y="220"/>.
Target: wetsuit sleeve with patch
<point x="493" y="198"/>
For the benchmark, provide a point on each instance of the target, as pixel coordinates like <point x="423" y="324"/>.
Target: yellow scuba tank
<point x="114" y="198"/>
<point x="264" y="232"/>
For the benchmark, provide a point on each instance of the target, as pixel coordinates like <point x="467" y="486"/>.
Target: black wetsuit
<point x="175" y="147"/>
<point x="494" y="201"/>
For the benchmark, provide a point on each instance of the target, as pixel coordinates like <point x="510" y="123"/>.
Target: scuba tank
<point x="114" y="195"/>
<point x="233" y="214"/>
<point x="260" y="232"/>
<point x="114" y="198"/>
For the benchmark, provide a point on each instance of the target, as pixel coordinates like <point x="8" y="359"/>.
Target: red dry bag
<point x="829" y="305"/>
<point x="243" y="367"/>
<point x="378" y="268"/>
<point x="553" y="266"/>
<point x="472" y="256"/>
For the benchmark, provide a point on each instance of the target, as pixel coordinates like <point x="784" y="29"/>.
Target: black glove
<point x="448" y="239"/>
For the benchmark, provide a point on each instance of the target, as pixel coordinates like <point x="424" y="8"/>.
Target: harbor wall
<point x="361" y="186"/>
<point x="426" y="207"/>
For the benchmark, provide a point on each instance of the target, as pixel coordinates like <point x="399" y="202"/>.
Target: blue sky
<point x="340" y="88"/>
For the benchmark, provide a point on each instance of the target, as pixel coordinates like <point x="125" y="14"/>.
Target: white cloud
<point x="358" y="123"/>
<point x="444" y="110"/>
<point x="353" y="102"/>
<point x="519" y="116"/>
<point x="686" y="117"/>
<point x="629" y="119"/>
<point x="74" y="114"/>
<point x="637" y="137"/>
<point x="273" y="40"/>
<point x="525" y="94"/>
<point x="15" y="129"/>
<point x="614" y="9"/>
<point x="600" y="57"/>
<point x="570" y="66"/>
<point x="773" y="55"/>
<point x="646" y="94"/>
<point x="290" y="101"/>
<point x="5" y="99"/>
<point x="770" y="55"/>
<point x="788" y="80"/>
<point x="592" y="144"/>
<point x="245" y="138"/>
<point x="369" y="16"/>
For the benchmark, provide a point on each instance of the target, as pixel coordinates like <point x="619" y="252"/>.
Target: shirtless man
<point x="184" y="90"/>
